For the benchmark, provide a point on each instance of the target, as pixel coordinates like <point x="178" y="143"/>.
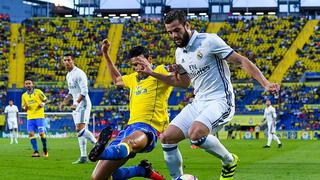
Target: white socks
<point x="87" y="134"/>
<point x="173" y="159"/>
<point x="213" y="146"/>
<point x="83" y="146"/>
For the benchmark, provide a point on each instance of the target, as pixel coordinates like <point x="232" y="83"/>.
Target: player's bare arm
<point x="114" y="72"/>
<point x="253" y="70"/>
<point x="65" y="101"/>
<point x="175" y="79"/>
<point x="74" y="106"/>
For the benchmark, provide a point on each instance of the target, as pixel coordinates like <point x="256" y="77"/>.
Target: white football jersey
<point x="12" y="111"/>
<point x="78" y="85"/>
<point x="204" y="61"/>
<point x="270" y="114"/>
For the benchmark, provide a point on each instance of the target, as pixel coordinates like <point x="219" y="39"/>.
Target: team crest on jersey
<point x="199" y="55"/>
<point x="140" y="90"/>
<point x="182" y="61"/>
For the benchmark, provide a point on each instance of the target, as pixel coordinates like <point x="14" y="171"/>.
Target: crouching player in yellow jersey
<point x="33" y="101"/>
<point x="148" y="117"/>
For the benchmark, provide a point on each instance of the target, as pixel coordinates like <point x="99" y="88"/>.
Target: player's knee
<point x="43" y="135"/>
<point x="31" y="135"/>
<point x="198" y="132"/>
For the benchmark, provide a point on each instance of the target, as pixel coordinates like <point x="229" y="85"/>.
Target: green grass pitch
<point x="297" y="160"/>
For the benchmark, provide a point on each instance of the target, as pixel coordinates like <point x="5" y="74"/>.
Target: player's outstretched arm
<point x="65" y="101"/>
<point x="253" y="70"/>
<point x="113" y="70"/>
<point x="177" y="80"/>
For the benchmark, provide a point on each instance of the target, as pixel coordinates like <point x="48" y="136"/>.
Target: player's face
<point x="28" y="85"/>
<point x="10" y="103"/>
<point x="68" y="62"/>
<point x="178" y="33"/>
<point x="135" y="66"/>
<point x="268" y="103"/>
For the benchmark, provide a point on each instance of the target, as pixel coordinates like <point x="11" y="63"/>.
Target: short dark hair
<point x="27" y="79"/>
<point x="175" y="15"/>
<point x="11" y="100"/>
<point x="137" y="51"/>
<point x="68" y="54"/>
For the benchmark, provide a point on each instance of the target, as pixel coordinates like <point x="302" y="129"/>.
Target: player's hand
<point x="42" y="105"/>
<point x="272" y="87"/>
<point x="175" y="69"/>
<point x="73" y="107"/>
<point x="61" y="106"/>
<point x="142" y="65"/>
<point x="105" y="46"/>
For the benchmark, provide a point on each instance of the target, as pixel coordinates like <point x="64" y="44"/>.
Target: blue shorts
<point x="36" y="124"/>
<point x="146" y="128"/>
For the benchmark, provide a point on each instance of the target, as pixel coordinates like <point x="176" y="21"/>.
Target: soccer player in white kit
<point x="201" y="59"/>
<point x="270" y="116"/>
<point x="78" y="91"/>
<point x="11" y="111"/>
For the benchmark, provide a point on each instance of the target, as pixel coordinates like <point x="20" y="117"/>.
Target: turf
<point x="297" y="160"/>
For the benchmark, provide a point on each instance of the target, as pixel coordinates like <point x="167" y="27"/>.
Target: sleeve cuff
<point x="228" y="54"/>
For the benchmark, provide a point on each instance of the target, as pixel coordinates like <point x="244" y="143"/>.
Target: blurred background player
<point x="78" y="91"/>
<point x="148" y="117"/>
<point x="270" y="116"/>
<point x="202" y="59"/>
<point x="33" y="101"/>
<point x="11" y="111"/>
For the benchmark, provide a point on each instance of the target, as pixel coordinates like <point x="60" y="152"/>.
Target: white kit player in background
<point x="270" y="116"/>
<point x="78" y="91"/>
<point x="201" y="59"/>
<point x="11" y="111"/>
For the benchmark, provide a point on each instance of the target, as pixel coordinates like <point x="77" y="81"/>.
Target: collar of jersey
<point x="31" y="92"/>
<point x="193" y="37"/>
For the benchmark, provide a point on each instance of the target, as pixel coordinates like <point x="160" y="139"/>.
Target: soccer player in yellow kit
<point x="33" y="101"/>
<point x="148" y="117"/>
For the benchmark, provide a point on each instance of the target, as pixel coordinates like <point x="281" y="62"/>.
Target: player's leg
<point x="176" y="132"/>
<point x="10" y="131"/>
<point x="11" y="135"/>
<point x="143" y="169"/>
<point x="31" y="126"/>
<point x="82" y="129"/>
<point x="213" y="117"/>
<point x="15" y="135"/>
<point x="105" y="168"/>
<point x="15" y="131"/>
<point x="275" y="137"/>
<point x="82" y="145"/>
<point x="269" y="136"/>
<point x="42" y="134"/>
<point x="135" y="138"/>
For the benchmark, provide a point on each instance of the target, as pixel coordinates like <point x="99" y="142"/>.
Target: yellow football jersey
<point x="149" y="99"/>
<point x="32" y="102"/>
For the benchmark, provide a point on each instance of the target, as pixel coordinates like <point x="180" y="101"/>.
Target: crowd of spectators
<point x="308" y="58"/>
<point x="4" y="56"/>
<point x="47" y="40"/>
<point x="150" y="33"/>
<point x="263" y="40"/>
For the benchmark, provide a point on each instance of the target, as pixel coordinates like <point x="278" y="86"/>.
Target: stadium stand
<point x="47" y="40"/>
<point x="4" y="56"/>
<point x="263" y="40"/>
<point x="146" y="33"/>
<point x="309" y="59"/>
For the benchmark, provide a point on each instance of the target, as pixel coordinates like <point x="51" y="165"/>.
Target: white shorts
<point x="12" y="124"/>
<point x="81" y="114"/>
<point x="214" y="114"/>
